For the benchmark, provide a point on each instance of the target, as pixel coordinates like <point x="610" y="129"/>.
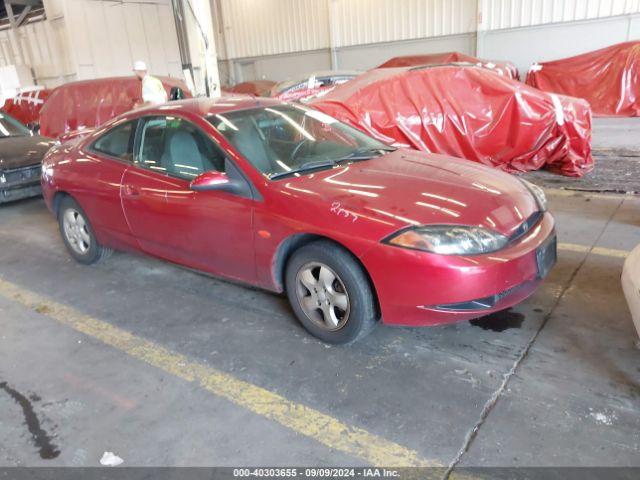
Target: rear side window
<point x="117" y="142"/>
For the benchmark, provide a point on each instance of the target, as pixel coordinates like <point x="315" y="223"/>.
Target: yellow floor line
<point x="559" y="192"/>
<point x="304" y="420"/>
<point x="607" y="252"/>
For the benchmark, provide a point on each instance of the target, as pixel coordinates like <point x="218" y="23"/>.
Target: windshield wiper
<point x="305" y="167"/>
<point x="366" y="153"/>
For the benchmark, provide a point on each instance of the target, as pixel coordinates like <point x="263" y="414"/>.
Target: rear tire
<point x="330" y="293"/>
<point x="77" y="233"/>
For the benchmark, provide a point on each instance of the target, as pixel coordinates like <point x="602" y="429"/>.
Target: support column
<point x="333" y="33"/>
<point x="203" y="34"/>
<point x="481" y="27"/>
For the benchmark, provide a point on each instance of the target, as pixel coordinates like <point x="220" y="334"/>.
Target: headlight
<point x="449" y="240"/>
<point x="537" y="193"/>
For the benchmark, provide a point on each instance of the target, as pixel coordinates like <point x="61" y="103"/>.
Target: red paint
<point x="503" y="68"/>
<point x="609" y="79"/>
<point x="355" y="205"/>
<point x="467" y="112"/>
<point x="86" y="104"/>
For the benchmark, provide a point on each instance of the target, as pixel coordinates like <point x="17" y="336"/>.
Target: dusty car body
<point x="507" y="69"/>
<point x="314" y="85"/>
<point x="21" y="155"/>
<point x="258" y="88"/>
<point x="286" y="198"/>
<point x="467" y="112"/>
<point x="90" y="103"/>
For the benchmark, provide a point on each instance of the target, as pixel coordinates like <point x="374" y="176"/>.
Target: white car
<point x="631" y="286"/>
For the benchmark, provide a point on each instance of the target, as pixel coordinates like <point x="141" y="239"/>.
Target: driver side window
<point x="176" y="147"/>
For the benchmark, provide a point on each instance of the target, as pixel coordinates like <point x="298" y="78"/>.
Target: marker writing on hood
<point x="336" y="208"/>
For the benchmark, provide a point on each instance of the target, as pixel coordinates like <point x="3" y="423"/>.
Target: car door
<point x="101" y="167"/>
<point x="207" y="230"/>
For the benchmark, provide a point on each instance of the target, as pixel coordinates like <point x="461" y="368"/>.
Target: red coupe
<point x="288" y="199"/>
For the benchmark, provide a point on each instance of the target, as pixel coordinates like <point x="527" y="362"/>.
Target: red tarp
<point x="258" y="88"/>
<point x="314" y="85"/>
<point x="89" y="103"/>
<point x="504" y="68"/>
<point x="26" y="106"/>
<point x="468" y="112"/>
<point x="609" y="79"/>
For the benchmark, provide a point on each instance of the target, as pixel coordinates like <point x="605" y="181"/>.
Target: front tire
<point x="330" y="293"/>
<point x="77" y="234"/>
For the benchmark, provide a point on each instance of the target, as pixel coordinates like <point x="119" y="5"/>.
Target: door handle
<point x="131" y="191"/>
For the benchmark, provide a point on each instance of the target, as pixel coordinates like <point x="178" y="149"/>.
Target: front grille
<point x="18" y="177"/>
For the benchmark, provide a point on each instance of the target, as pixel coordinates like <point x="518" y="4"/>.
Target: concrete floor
<point x="616" y="154"/>
<point x="553" y="382"/>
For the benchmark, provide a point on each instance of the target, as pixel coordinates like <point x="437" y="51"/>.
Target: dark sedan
<point x="21" y="154"/>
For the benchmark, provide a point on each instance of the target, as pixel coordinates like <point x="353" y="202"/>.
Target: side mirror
<point x="211" y="181"/>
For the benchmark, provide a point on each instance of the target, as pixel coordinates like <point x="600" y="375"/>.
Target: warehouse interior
<point x="506" y="347"/>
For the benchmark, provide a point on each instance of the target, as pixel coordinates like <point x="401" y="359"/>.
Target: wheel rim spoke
<point x="84" y="235"/>
<point x="308" y="280"/>
<point x="70" y="218"/>
<point x="309" y="303"/>
<point x="330" y="317"/>
<point x="340" y="301"/>
<point x="327" y="278"/>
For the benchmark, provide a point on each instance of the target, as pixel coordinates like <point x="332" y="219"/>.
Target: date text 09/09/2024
<point x="315" y="473"/>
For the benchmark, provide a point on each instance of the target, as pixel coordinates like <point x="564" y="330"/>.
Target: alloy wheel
<point x="76" y="231"/>
<point x="322" y="296"/>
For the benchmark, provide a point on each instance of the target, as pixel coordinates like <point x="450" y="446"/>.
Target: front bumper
<point x="20" y="183"/>
<point x="418" y="288"/>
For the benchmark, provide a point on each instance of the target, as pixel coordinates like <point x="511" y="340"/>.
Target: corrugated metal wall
<point x="374" y="21"/>
<point x="42" y="45"/>
<point x="94" y="38"/>
<point x="91" y="38"/>
<point x="109" y="36"/>
<point x="268" y="27"/>
<point x="499" y="14"/>
<point x="256" y="28"/>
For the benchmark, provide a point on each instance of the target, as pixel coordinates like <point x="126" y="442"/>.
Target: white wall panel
<point x="94" y="38"/>
<point x="109" y="36"/>
<point x="256" y="28"/>
<point x="42" y="46"/>
<point x="502" y="14"/>
<point x="268" y="27"/>
<point x="375" y="21"/>
<point x="542" y="43"/>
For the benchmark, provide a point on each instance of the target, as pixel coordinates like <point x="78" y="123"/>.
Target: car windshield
<point x="286" y="140"/>
<point x="10" y="127"/>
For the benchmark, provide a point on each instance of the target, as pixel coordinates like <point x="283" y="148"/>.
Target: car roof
<point x="204" y="106"/>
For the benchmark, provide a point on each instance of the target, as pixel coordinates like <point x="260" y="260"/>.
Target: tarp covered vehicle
<point x="258" y="88"/>
<point x="25" y="106"/>
<point x="468" y="112"/>
<point x="609" y="79"/>
<point x="89" y="103"/>
<point x="503" y="68"/>
<point x="313" y="85"/>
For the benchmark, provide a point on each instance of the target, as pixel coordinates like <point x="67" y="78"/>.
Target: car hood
<point x="16" y="152"/>
<point x="408" y="188"/>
